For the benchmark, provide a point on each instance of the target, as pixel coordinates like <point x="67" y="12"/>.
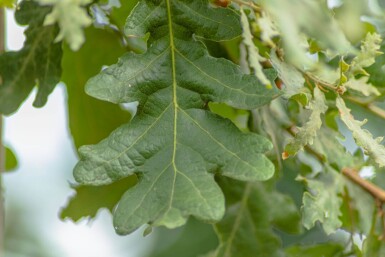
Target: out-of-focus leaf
<point x="72" y="18"/>
<point x="295" y="17"/>
<point x="36" y="64"/>
<point x="268" y="28"/>
<point x="253" y="56"/>
<point x="321" y="202"/>
<point x="88" y="200"/>
<point x="90" y="119"/>
<point x="7" y="3"/>
<point x="194" y="239"/>
<point x="373" y="246"/>
<point x="172" y="143"/>
<point x="370" y="48"/>
<point x="321" y="250"/>
<point x="307" y="133"/>
<point x="10" y="160"/>
<point x="253" y="209"/>
<point x="361" y="85"/>
<point x="363" y="137"/>
<point x="290" y="76"/>
<point x="327" y="144"/>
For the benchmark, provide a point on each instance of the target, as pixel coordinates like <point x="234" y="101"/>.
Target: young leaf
<point x="10" y="160"/>
<point x="322" y="203"/>
<point x="308" y="132"/>
<point x="172" y="143"/>
<point x="363" y="137"/>
<point x="37" y="63"/>
<point x="268" y="28"/>
<point x="71" y="17"/>
<point x="253" y="209"/>
<point x="369" y="50"/>
<point x="290" y="76"/>
<point x="253" y="56"/>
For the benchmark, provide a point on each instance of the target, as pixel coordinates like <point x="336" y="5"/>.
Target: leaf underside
<point x="174" y="144"/>
<point x="36" y="64"/>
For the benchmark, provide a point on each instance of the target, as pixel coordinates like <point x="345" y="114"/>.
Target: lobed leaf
<point x="254" y="58"/>
<point x="363" y="137"/>
<point x="322" y="203"/>
<point x="307" y="133"/>
<point x="36" y="64"/>
<point x="71" y="17"/>
<point x="172" y="143"/>
<point x="370" y="47"/>
<point x="290" y="76"/>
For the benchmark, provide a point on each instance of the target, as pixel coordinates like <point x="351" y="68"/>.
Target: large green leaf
<point x="37" y="63"/>
<point x="253" y="209"/>
<point x="101" y="48"/>
<point x="173" y="144"/>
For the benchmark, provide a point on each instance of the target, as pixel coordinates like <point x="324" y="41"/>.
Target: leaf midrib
<point x="174" y="98"/>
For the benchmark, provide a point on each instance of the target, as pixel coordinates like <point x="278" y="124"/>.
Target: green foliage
<point x="36" y="64"/>
<point x="252" y="210"/>
<point x="171" y="143"/>
<point x="214" y="82"/>
<point x="71" y="17"/>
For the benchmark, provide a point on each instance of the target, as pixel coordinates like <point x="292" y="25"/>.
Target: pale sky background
<point x="41" y="140"/>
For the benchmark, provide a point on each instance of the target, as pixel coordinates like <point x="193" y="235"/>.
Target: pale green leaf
<point x="36" y="64"/>
<point x="327" y="144"/>
<point x="290" y="76"/>
<point x="370" y="47"/>
<point x="268" y="28"/>
<point x="294" y="18"/>
<point x="253" y="209"/>
<point x="307" y="133"/>
<point x="371" y="146"/>
<point x="321" y="202"/>
<point x="172" y="143"/>
<point x="72" y="18"/>
<point x="254" y="58"/>
<point x="361" y="85"/>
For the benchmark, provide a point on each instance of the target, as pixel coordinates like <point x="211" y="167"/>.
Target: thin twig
<point x="320" y="82"/>
<point x="253" y="6"/>
<point x="375" y="191"/>
<point x="317" y="155"/>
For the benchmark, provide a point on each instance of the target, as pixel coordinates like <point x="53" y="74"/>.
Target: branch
<point x="368" y="106"/>
<point x="253" y="6"/>
<point x="375" y="191"/>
